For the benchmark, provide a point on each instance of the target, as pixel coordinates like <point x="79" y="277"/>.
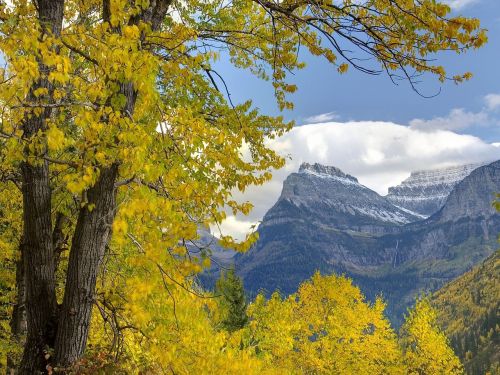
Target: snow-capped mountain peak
<point x="426" y="191"/>
<point x="335" y="198"/>
<point x="326" y="171"/>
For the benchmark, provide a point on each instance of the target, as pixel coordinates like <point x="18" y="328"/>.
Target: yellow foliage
<point x="325" y="328"/>
<point x="468" y="313"/>
<point x="426" y="348"/>
<point x="146" y="100"/>
<point x="10" y="233"/>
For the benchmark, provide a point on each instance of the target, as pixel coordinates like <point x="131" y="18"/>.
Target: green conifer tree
<point x="232" y="302"/>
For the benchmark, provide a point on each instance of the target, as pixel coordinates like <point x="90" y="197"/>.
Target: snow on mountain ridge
<point x="426" y="191"/>
<point x="338" y="178"/>
<point x="384" y="215"/>
<point x="419" y="196"/>
<point x="411" y="212"/>
<point x="441" y="175"/>
<point x="321" y="170"/>
<point x="338" y="196"/>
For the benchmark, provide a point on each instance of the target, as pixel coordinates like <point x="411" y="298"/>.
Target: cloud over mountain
<point x="379" y="154"/>
<point x="459" y="119"/>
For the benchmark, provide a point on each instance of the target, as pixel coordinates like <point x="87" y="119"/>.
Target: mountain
<point x="207" y="245"/>
<point x="469" y="313"/>
<point x="325" y="220"/>
<point x="425" y="192"/>
<point x="318" y="190"/>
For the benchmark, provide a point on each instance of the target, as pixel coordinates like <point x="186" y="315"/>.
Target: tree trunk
<point x="38" y="267"/>
<point x="90" y="239"/>
<point x="38" y="257"/>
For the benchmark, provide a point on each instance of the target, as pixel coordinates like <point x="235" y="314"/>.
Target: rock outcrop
<point x="425" y="192"/>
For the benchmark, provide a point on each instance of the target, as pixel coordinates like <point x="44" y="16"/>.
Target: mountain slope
<point x="318" y="226"/>
<point x="323" y="216"/>
<point x="468" y="310"/>
<point x="425" y="192"/>
<point x="207" y="246"/>
<point x="318" y="190"/>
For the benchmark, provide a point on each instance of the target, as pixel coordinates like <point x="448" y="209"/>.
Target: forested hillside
<point x="468" y="311"/>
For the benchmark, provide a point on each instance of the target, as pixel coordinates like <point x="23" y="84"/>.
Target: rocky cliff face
<point x="472" y="196"/>
<point x="325" y="220"/>
<point x="330" y="197"/>
<point x="425" y="192"/>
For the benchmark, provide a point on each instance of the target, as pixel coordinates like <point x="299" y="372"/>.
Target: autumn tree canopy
<point x="426" y="348"/>
<point x="118" y="140"/>
<point x="328" y="327"/>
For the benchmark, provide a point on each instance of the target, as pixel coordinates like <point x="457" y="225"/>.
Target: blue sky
<point x="375" y="130"/>
<point x="356" y="96"/>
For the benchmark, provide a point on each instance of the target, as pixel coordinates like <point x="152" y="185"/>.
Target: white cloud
<point x="459" y="4"/>
<point x="492" y="101"/>
<point x="323" y="117"/>
<point x="379" y="154"/>
<point x="457" y="119"/>
<point x="236" y="226"/>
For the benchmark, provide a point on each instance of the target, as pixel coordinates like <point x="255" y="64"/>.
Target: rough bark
<point x="38" y="257"/>
<point x="91" y="236"/>
<point x="38" y="267"/>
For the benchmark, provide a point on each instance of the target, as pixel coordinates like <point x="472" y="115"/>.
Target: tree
<point x="116" y="130"/>
<point x="426" y="348"/>
<point x="325" y="328"/>
<point x="232" y="301"/>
